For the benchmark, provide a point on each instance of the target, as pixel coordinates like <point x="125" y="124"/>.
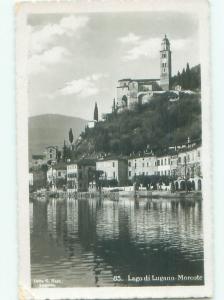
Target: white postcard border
<point x="200" y="7"/>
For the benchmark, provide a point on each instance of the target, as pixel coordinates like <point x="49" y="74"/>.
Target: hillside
<point x="153" y="126"/>
<point x="51" y="129"/>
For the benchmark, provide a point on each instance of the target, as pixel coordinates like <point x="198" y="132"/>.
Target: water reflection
<point x="87" y="242"/>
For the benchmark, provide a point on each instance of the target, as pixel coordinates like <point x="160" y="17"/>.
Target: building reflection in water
<point x="87" y="242"/>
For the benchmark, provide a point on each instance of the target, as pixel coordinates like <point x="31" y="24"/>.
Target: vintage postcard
<point x="114" y="149"/>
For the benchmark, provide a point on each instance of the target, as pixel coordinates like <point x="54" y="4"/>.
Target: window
<point x="179" y="160"/>
<point x="147" y="164"/>
<point x="50" y="155"/>
<point x="113" y="164"/>
<point x="165" y="161"/>
<point x="59" y="173"/>
<point x="129" y="173"/>
<point x="143" y="173"/>
<point x="168" y="161"/>
<point x="169" y="172"/>
<point x="158" y="162"/>
<point x="135" y="165"/>
<point x="114" y="174"/>
<point x="129" y="164"/>
<point x="161" y="162"/>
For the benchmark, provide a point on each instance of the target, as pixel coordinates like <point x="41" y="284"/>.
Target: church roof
<point x="139" y="80"/>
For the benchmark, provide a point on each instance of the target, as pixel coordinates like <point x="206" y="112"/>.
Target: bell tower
<point x="165" y="64"/>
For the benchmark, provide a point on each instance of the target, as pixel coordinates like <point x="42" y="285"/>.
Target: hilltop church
<point x="131" y="91"/>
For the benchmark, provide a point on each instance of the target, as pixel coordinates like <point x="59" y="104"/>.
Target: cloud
<point x="150" y="48"/>
<point x="129" y="39"/>
<point x="41" y="62"/>
<point x="68" y="26"/>
<point x="83" y="87"/>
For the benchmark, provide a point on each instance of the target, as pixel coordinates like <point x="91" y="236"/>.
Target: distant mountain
<point x="52" y="129"/>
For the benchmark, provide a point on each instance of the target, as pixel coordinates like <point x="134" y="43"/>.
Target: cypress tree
<point x="188" y="77"/>
<point x="95" y="116"/>
<point x="71" y="138"/>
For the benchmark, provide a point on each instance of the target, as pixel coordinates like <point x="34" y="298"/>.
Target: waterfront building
<point x="183" y="166"/>
<point x="72" y="177"/>
<point x="80" y="175"/>
<point x="142" y="166"/>
<point x="163" y="164"/>
<point x="113" y="169"/>
<point x="56" y="175"/>
<point x="189" y="168"/>
<point x="37" y="177"/>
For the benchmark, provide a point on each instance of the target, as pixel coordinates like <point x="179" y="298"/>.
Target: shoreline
<point x="116" y="196"/>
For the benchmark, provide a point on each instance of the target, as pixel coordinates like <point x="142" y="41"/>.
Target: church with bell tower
<point x="165" y="64"/>
<point x="131" y="91"/>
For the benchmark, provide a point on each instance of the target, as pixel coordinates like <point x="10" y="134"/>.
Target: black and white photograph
<point x="115" y="122"/>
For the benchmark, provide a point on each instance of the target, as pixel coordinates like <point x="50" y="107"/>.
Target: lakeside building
<point x="184" y="166"/>
<point x="189" y="168"/>
<point x="113" y="169"/>
<point x="132" y="91"/>
<point x="56" y="175"/>
<point x="37" y="178"/>
<point x="80" y="175"/>
<point x="142" y="166"/>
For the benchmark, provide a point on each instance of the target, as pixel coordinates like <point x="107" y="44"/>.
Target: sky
<point x="76" y="60"/>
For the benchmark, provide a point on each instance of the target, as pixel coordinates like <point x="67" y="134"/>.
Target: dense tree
<point x="95" y="117"/>
<point x="70" y="134"/>
<point x="188" y="79"/>
<point x="66" y="153"/>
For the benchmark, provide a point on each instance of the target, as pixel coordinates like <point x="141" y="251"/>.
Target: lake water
<point x="90" y="242"/>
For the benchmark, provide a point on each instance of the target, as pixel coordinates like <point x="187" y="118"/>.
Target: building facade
<point x="189" y="169"/>
<point x="132" y="91"/>
<point x="142" y="166"/>
<point x="113" y="169"/>
<point x="56" y="175"/>
<point x="51" y="154"/>
<point x="184" y="167"/>
<point x="165" y="64"/>
<point x="80" y="176"/>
